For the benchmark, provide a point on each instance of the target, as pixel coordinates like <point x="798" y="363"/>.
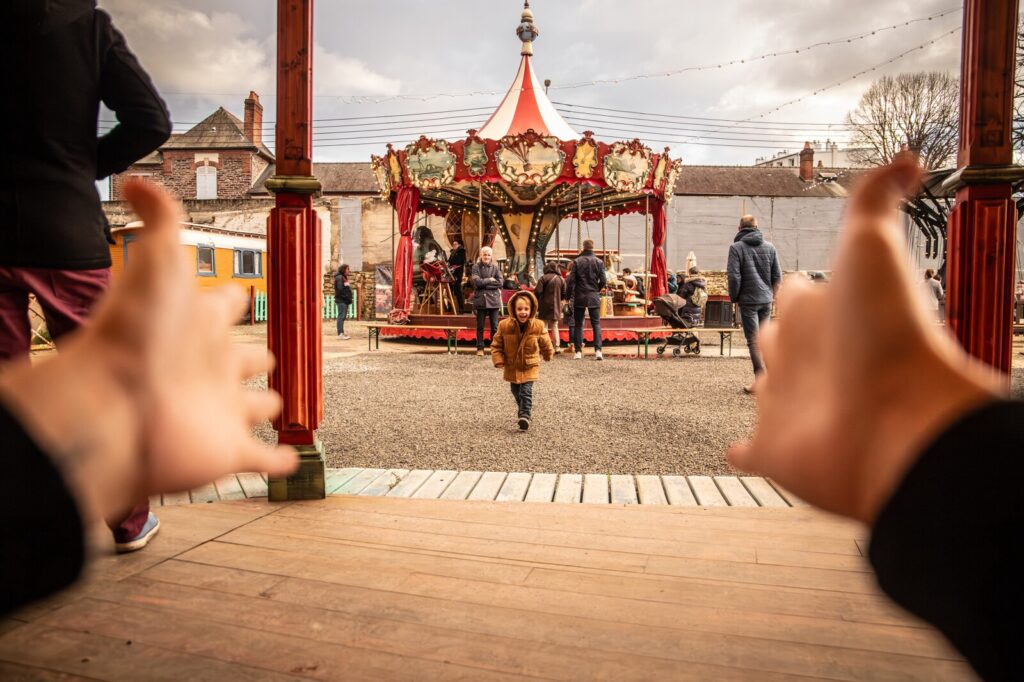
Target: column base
<point x="307" y="483"/>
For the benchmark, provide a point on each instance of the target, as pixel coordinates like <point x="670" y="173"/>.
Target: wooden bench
<point x="373" y="330"/>
<point x="643" y="335"/>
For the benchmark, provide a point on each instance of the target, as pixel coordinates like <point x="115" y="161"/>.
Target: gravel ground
<point x="619" y="416"/>
<point x="669" y="416"/>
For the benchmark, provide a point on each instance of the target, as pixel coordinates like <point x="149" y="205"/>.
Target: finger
<point x="224" y="305"/>
<point x="279" y="460"/>
<point x="741" y="455"/>
<point x="159" y="241"/>
<point x="879" y="191"/>
<point x="259" y="406"/>
<point x="253" y="360"/>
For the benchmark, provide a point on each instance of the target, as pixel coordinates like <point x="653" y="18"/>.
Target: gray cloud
<point x="226" y="47"/>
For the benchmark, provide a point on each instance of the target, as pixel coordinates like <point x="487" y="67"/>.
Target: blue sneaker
<point x="147" y="533"/>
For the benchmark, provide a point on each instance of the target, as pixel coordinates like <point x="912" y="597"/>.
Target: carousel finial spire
<point x="526" y="31"/>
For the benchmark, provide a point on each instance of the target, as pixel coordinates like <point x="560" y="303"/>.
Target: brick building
<point x="221" y="157"/>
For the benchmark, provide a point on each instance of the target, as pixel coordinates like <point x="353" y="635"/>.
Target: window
<point x="206" y="182"/>
<point x="206" y="264"/>
<point x="248" y="263"/>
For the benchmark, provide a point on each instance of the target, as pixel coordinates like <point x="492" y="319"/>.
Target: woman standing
<point x="486" y="280"/>
<point x="343" y="298"/>
<point x="549" y="292"/>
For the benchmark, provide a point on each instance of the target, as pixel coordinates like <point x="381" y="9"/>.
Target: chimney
<point x="253" y="118"/>
<point x="807" y="163"/>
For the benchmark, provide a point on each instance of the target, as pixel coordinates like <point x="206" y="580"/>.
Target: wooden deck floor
<point x="383" y="588"/>
<point x="503" y="486"/>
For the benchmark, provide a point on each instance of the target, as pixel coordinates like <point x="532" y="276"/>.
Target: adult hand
<point x="859" y="379"/>
<point x="148" y="398"/>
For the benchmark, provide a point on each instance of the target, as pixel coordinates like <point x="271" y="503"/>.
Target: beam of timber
<point x="294" y="276"/>
<point x="982" y="227"/>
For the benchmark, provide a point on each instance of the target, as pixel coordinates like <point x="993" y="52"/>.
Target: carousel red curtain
<point x="659" y="285"/>
<point x="407" y="203"/>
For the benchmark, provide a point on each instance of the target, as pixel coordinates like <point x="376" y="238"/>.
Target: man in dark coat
<point x="53" y="234"/>
<point x="754" y="276"/>
<point x="586" y="281"/>
<point x="457" y="265"/>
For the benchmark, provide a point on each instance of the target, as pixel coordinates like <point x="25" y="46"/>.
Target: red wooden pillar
<point x="294" y="278"/>
<point x="982" y="226"/>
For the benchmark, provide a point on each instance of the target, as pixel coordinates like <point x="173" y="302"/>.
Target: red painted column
<point x="982" y="226"/>
<point x="294" y="277"/>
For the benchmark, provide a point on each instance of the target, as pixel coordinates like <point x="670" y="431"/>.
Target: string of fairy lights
<point x="752" y="132"/>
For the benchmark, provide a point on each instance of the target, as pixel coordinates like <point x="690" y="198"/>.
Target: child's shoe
<point x="598" y="355"/>
<point x="577" y="356"/>
<point x="524" y="423"/>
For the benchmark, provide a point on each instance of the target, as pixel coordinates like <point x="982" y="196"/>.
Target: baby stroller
<point x="667" y="308"/>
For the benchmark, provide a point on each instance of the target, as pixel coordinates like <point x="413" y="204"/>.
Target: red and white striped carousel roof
<point x="526" y="106"/>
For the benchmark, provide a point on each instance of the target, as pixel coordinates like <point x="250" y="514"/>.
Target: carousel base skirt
<point x="612" y="328"/>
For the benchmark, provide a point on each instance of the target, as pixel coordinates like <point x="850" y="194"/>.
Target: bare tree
<point x="919" y="110"/>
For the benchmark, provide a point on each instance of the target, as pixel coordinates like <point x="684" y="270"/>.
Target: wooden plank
<point x="542" y="488"/>
<point x="734" y="492"/>
<point x="763" y="492"/>
<point x="650" y="490"/>
<point x="678" y="491"/>
<point x="569" y="489"/>
<point x="338" y="477"/>
<point x="595" y="489"/>
<point x="252" y="484"/>
<point x="514" y="488"/>
<point x="204" y="493"/>
<point x="355" y="484"/>
<point x="793" y="500"/>
<point x="463" y="484"/>
<point x="435" y="485"/>
<point x="623" y="490"/>
<point x="410" y="483"/>
<point x="706" y="492"/>
<point x="488" y="486"/>
<point x="228" y="488"/>
<point x="171" y="499"/>
<point x="384" y="483"/>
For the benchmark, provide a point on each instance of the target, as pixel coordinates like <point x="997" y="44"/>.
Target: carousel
<point x="511" y="185"/>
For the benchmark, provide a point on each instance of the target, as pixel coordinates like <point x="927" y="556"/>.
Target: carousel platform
<point x="618" y="328"/>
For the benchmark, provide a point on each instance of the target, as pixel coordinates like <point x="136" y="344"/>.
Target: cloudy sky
<point x="378" y="59"/>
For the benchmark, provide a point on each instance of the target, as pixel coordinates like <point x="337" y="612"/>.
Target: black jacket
<point x="64" y="57"/>
<point x="486" y="279"/>
<point x="753" y="269"/>
<point x="586" y="280"/>
<point x="342" y="289"/>
<point x="692" y="313"/>
<point x="457" y="263"/>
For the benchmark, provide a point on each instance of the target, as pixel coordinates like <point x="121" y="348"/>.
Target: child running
<point x="518" y="346"/>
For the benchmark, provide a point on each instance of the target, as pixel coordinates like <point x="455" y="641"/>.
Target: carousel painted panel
<point x="430" y="164"/>
<point x="530" y="160"/>
<point x="627" y="166"/>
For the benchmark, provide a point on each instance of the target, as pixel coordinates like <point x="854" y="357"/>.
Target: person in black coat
<point x="754" y="275"/>
<point x="585" y="282"/>
<point x="342" y="297"/>
<point x="457" y="265"/>
<point x="694" y="288"/>
<point x="53" y="233"/>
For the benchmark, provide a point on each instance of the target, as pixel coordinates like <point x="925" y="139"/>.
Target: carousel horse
<point x="437" y="280"/>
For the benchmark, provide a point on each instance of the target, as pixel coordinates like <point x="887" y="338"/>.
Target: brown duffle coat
<point x="520" y="354"/>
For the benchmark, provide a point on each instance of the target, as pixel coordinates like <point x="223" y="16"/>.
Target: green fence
<point x="328" y="312"/>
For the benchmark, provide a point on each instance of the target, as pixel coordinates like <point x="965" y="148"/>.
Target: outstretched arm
<point x="894" y="423"/>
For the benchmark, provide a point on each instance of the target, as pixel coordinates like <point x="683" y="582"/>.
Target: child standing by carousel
<point x="517" y="348"/>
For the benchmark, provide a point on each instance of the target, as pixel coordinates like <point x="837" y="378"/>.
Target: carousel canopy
<point x="518" y="177"/>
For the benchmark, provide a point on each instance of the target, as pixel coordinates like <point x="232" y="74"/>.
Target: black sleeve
<point x="42" y="545"/>
<point x="143" y="120"/>
<point x="949" y="545"/>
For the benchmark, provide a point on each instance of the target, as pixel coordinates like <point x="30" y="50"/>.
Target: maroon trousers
<point x="66" y="297"/>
